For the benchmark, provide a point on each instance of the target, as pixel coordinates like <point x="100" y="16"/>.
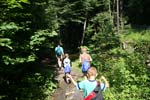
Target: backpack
<point x="58" y="51"/>
<point x="85" y="65"/>
<point x="96" y="94"/>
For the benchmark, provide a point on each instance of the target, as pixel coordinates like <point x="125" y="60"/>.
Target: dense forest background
<point x="116" y="33"/>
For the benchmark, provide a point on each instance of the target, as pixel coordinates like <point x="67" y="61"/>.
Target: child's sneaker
<point x="68" y="81"/>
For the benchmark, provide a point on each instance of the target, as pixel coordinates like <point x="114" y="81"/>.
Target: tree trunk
<point x="83" y="34"/>
<point x="118" y="23"/>
<point x="114" y="12"/>
<point x="110" y="12"/>
<point x="121" y="14"/>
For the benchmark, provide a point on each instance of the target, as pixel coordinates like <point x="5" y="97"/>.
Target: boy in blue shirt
<point x="89" y="85"/>
<point x="59" y="55"/>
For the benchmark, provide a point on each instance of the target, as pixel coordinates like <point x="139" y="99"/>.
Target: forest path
<point x="68" y="91"/>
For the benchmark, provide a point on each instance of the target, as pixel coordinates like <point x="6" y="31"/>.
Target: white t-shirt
<point x="66" y="62"/>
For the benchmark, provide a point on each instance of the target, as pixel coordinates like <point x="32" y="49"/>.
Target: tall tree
<point x="118" y="16"/>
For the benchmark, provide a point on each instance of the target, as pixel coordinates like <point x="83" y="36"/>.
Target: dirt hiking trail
<point x="67" y="91"/>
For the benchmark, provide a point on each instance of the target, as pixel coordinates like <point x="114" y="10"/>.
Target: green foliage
<point x="100" y="24"/>
<point x="7" y="32"/>
<point x="40" y="37"/>
<point x="39" y="82"/>
<point x="12" y="61"/>
<point x="5" y="42"/>
<point x="126" y="71"/>
<point x="104" y="21"/>
<point x="27" y="82"/>
<point x="16" y="3"/>
<point x="135" y="36"/>
<point x="24" y="30"/>
<point x="9" y="29"/>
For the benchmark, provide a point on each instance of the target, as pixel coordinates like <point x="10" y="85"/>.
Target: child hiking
<point x="90" y="84"/>
<point x="59" y="55"/>
<point x="67" y="67"/>
<point x="85" y="60"/>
